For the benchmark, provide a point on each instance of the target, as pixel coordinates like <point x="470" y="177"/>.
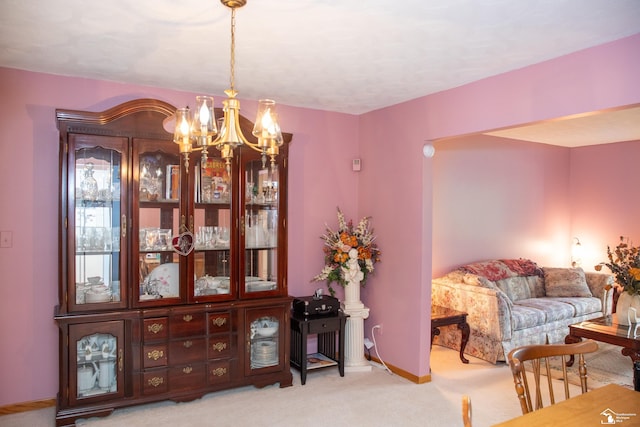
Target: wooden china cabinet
<point x="144" y="315"/>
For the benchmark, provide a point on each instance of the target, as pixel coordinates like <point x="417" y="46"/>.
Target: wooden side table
<point x="443" y="316"/>
<point x="604" y="329"/>
<point x="328" y="355"/>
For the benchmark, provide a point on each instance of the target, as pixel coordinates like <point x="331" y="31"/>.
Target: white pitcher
<point x="106" y="374"/>
<point x="87" y="377"/>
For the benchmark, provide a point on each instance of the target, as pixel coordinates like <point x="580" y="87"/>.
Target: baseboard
<point x="404" y="374"/>
<point x="27" y="406"/>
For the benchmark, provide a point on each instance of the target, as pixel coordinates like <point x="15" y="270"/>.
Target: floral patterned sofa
<point x="514" y="302"/>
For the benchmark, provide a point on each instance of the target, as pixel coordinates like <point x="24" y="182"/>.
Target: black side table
<point x="326" y="328"/>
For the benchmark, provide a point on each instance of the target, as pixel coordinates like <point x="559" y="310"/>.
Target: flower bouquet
<point x="338" y="244"/>
<point x="624" y="263"/>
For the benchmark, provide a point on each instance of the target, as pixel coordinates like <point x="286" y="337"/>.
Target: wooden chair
<point x="535" y="354"/>
<point x="466" y="411"/>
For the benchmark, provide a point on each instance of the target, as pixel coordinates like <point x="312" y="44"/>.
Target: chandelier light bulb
<point x="204" y="117"/>
<point x="184" y="127"/>
<point x="268" y="124"/>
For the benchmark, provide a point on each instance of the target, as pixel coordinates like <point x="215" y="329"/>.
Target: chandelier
<point x="196" y="132"/>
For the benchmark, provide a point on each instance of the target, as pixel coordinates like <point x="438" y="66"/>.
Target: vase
<point x="89" y="185"/>
<point x="623" y="314"/>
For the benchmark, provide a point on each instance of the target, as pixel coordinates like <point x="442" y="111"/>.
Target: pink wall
<point x="500" y="198"/>
<point x="394" y="187"/>
<point x="604" y="188"/>
<point x="589" y="80"/>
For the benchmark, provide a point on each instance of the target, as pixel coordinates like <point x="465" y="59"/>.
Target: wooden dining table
<point x="608" y="405"/>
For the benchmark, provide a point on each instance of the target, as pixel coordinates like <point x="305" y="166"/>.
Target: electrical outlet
<point x="368" y="344"/>
<point x="379" y="328"/>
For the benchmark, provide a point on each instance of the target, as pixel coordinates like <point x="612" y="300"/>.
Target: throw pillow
<point x="565" y="282"/>
<point x="516" y="288"/>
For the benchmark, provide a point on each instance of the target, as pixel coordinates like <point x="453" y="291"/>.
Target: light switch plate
<point x="6" y="239"/>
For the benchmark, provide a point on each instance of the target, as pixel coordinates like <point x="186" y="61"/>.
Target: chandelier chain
<point x="233" y="50"/>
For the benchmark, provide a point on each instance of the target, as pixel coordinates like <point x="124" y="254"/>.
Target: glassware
<point x="89" y="185"/>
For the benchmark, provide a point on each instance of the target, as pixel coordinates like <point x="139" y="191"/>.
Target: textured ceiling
<point x="349" y="56"/>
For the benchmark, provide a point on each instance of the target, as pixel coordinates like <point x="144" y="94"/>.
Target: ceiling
<point x="582" y="130"/>
<point x="350" y="56"/>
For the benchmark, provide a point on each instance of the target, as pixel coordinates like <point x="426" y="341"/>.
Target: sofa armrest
<point x="601" y="286"/>
<point x="488" y="309"/>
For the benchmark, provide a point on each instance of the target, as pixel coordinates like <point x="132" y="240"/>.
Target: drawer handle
<point x="187" y="344"/>
<point x="218" y="372"/>
<point x="155" y="381"/>
<point x="219" y="321"/>
<point x="187" y="369"/>
<point x="155" y="354"/>
<point x="187" y="318"/>
<point x="219" y="346"/>
<point x="155" y="328"/>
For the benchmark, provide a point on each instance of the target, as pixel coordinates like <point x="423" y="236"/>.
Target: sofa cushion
<point x="523" y="317"/>
<point x="553" y="309"/>
<point x="536" y="286"/>
<point x="565" y="282"/>
<point x="582" y="306"/>
<point x="516" y="288"/>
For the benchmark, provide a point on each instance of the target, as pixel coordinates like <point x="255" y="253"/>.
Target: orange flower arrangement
<point x="624" y="263"/>
<point x="337" y="246"/>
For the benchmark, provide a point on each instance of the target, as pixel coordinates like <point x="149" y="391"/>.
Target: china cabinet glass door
<point x="261" y="228"/>
<point x="213" y="259"/>
<point x="97" y="222"/>
<point x="264" y="339"/>
<point x="96" y="360"/>
<point x="157" y="189"/>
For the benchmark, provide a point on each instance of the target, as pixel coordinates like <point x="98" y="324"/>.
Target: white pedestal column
<point x="354" y="360"/>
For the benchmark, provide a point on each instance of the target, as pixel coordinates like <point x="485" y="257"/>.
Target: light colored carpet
<point x="374" y="399"/>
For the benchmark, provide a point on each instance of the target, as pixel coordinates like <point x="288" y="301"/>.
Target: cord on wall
<point x="375" y="345"/>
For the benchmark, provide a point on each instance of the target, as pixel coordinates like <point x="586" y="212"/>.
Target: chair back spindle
<point x="539" y="357"/>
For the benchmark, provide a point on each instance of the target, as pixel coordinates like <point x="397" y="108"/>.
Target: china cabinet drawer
<point x="219" y="322"/>
<point x="188" y="324"/>
<point x="187" y="377"/>
<point x="219" y="372"/>
<point x="187" y="351"/>
<point x="156" y="328"/>
<point x="219" y="347"/>
<point x="154" y="355"/>
<point x="155" y="382"/>
<point x="329" y="324"/>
